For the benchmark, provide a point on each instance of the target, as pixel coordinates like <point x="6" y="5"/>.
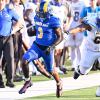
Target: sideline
<point x="47" y="87"/>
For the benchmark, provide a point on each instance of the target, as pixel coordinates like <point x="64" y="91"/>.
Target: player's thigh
<point x="79" y="39"/>
<point x="32" y="54"/>
<point x="69" y="41"/>
<point x="87" y="58"/>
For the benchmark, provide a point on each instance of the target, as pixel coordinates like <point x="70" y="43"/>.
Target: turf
<point x="80" y="94"/>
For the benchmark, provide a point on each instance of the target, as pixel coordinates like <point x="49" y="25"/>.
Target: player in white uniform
<point x="59" y="11"/>
<point x="98" y="89"/>
<point x="74" y="40"/>
<point x="91" y="44"/>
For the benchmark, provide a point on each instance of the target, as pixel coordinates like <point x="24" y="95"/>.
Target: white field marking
<point x="47" y="87"/>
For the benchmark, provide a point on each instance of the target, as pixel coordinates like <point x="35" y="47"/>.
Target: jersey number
<point x="76" y="16"/>
<point x="40" y="35"/>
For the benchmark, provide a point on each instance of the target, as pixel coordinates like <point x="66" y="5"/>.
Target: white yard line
<point x="47" y="87"/>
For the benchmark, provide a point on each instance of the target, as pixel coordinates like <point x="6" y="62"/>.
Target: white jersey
<point x="90" y="51"/>
<point x="89" y="40"/>
<point x="77" y="8"/>
<point x="58" y="11"/>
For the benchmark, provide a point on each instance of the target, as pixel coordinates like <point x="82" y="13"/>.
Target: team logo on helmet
<point x="44" y="10"/>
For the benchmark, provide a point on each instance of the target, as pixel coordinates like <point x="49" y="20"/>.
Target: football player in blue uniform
<point x="48" y="34"/>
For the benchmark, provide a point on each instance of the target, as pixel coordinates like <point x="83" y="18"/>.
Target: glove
<point x="67" y="32"/>
<point x="66" y="36"/>
<point x="50" y="48"/>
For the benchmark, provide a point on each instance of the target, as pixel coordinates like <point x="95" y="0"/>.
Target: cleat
<point x="2" y="84"/>
<point x="63" y="69"/>
<point x="59" y="89"/>
<point x="76" y="75"/>
<point x="10" y="84"/>
<point x="27" y="84"/>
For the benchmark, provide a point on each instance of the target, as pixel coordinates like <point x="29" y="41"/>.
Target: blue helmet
<point x="44" y="10"/>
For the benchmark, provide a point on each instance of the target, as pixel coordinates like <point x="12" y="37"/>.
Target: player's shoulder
<point x="98" y="8"/>
<point x="81" y="3"/>
<point x="10" y="6"/>
<point x="86" y="9"/>
<point x="36" y="18"/>
<point x="54" y="18"/>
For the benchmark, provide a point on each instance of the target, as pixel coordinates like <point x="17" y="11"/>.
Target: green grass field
<point x="80" y="94"/>
<point x="43" y="78"/>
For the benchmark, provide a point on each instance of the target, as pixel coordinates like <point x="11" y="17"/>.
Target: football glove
<point x="50" y="48"/>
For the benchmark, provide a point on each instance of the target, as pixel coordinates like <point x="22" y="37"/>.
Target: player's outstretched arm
<point x="81" y="28"/>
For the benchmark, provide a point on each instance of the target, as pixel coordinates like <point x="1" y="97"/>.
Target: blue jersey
<point x="89" y="12"/>
<point x="45" y="34"/>
<point x="6" y="17"/>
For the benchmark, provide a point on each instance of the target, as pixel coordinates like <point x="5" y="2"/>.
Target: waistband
<point x="41" y="46"/>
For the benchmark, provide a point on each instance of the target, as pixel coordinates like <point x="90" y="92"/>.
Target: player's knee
<point x="84" y="70"/>
<point x="24" y="62"/>
<point x="79" y="70"/>
<point x="52" y="72"/>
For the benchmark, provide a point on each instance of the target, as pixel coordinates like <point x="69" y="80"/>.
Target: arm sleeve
<point x="15" y="16"/>
<point x="69" y="11"/>
<point x="83" y="13"/>
<point x="55" y="22"/>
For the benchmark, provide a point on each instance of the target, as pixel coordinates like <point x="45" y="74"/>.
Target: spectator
<point x="59" y="7"/>
<point x="17" y="38"/>
<point x="74" y="40"/>
<point x="66" y="25"/>
<point x="6" y="41"/>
